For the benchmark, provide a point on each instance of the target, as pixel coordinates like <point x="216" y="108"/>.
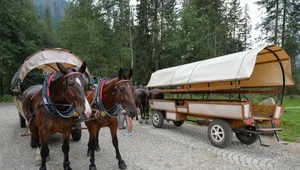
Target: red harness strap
<point x="102" y="85"/>
<point x="49" y="81"/>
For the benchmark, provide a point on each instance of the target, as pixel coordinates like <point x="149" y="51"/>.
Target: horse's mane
<point x="109" y="79"/>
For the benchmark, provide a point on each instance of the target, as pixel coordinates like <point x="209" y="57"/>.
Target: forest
<point x="146" y="36"/>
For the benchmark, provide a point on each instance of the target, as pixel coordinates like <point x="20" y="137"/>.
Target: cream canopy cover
<point x="258" y="67"/>
<point x="46" y="60"/>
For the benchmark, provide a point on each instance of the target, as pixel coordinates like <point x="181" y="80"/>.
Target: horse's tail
<point x="143" y="99"/>
<point x="161" y="95"/>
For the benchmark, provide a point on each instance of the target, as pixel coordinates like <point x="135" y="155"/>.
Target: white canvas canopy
<point x="259" y="67"/>
<point x="46" y="60"/>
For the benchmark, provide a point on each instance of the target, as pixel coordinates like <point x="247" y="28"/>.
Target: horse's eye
<point x="70" y="84"/>
<point x="122" y="90"/>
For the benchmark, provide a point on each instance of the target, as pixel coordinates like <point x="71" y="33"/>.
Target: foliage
<point x="280" y="26"/>
<point x="56" y="9"/>
<point x="87" y="30"/>
<point x="6" y="98"/>
<point x="21" y="34"/>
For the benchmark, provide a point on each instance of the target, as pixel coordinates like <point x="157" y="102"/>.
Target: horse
<point x="156" y="95"/>
<point x="111" y="97"/>
<point x="50" y="108"/>
<point x="141" y="99"/>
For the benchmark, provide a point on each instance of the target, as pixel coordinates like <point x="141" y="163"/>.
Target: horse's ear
<point x="129" y="75"/>
<point x="82" y="68"/>
<point x="62" y="68"/>
<point x="121" y="74"/>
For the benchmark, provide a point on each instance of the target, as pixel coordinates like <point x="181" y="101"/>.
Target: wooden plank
<point x="269" y="129"/>
<point x="261" y="118"/>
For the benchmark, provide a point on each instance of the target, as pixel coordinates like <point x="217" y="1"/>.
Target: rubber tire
<point x="22" y="121"/>
<point x="223" y="127"/>
<point x="247" y="138"/>
<point x="157" y="119"/>
<point x="76" y="133"/>
<point x="178" y="123"/>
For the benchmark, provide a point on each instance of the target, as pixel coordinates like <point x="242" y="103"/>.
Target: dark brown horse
<point x="50" y="108"/>
<point x="156" y="95"/>
<point x="141" y="100"/>
<point x="111" y="96"/>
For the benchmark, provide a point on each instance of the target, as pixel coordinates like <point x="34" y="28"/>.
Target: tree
<point x="21" y="34"/>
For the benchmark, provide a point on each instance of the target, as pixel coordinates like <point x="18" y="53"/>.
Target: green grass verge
<point x="6" y="98"/>
<point x="290" y="124"/>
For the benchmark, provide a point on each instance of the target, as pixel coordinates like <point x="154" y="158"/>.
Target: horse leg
<point x="147" y="114"/>
<point x="97" y="148"/>
<point x="137" y="116"/>
<point x="34" y="137"/>
<point x="92" y="146"/>
<point x="137" y="113"/>
<point x="44" y="148"/>
<point x="66" y="148"/>
<point x="142" y="114"/>
<point x="113" y="132"/>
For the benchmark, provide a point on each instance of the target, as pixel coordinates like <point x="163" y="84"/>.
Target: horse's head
<point x="75" y="87"/>
<point x="123" y="91"/>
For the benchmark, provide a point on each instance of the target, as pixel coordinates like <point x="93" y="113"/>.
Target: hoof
<point x="122" y="165"/>
<point x="97" y="149"/>
<point x="38" y="162"/>
<point x="93" y="168"/>
<point x="38" y="158"/>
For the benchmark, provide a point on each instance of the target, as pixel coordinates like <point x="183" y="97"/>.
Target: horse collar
<point x="112" y="112"/>
<point x="47" y="101"/>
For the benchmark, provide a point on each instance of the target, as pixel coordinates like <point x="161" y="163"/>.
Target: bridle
<point x="117" y="90"/>
<point x="65" y="86"/>
<point x="48" y="103"/>
<point x="98" y="100"/>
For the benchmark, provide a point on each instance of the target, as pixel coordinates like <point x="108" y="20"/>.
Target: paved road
<point x="149" y="148"/>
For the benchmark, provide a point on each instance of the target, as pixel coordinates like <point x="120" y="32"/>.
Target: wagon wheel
<point x="22" y="121"/>
<point x="157" y="119"/>
<point x="178" y="123"/>
<point x="246" y="137"/>
<point x="76" y="132"/>
<point x="219" y="133"/>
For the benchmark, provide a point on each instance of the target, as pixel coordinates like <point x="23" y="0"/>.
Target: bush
<point x="6" y="98"/>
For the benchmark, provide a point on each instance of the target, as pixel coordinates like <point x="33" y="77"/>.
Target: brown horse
<point x="50" y="109"/>
<point x="141" y="99"/>
<point x="156" y="95"/>
<point x="111" y="96"/>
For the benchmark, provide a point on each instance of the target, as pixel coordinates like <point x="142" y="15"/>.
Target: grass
<point x="290" y="124"/>
<point x="6" y="98"/>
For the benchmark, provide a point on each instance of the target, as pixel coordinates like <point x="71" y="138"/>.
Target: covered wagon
<point x="45" y="61"/>
<point x="216" y="91"/>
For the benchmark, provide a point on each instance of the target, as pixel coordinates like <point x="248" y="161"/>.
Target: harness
<point x="98" y="100"/>
<point x="47" y="101"/>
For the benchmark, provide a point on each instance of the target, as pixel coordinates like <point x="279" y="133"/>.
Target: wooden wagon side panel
<point x="165" y="105"/>
<point x="223" y="110"/>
